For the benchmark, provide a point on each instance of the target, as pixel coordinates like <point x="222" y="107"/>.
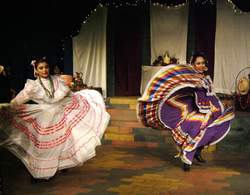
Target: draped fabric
<point x="169" y="31"/>
<point x="89" y="50"/>
<point x="232" y="46"/>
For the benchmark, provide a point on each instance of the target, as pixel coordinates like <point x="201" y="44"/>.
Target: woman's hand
<point x="200" y="75"/>
<point x="213" y="108"/>
<point x="2" y="70"/>
<point x="4" y="106"/>
<point x="13" y="103"/>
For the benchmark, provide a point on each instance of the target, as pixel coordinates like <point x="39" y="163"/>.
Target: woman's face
<point x="200" y="65"/>
<point x="43" y="70"/>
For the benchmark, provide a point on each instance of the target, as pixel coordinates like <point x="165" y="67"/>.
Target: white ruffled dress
<point x="56" y="133"/>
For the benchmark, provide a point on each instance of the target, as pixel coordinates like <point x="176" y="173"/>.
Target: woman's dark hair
<point x="196" y="55"/>
<point x="40" y="60"/>
<point x="158" y="60"/>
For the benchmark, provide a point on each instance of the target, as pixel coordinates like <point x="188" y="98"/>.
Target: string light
<point x="204" y="1"/>
<point x="170" y="6"/>
<point x="235" y="8"/>
<point x="137" y="2"/>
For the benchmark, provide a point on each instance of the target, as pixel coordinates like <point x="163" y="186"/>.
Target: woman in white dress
<point x="59" y="132"/>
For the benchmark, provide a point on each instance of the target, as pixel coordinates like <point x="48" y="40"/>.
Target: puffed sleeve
<point x="26" y="93"/>
<point x="63" y="85"/>
<point x="62" y="90"/>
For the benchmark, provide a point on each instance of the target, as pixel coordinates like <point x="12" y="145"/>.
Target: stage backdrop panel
<point x="232" y="46"/>
<point x="89" y="50"/>
<point x="168" y="28"/>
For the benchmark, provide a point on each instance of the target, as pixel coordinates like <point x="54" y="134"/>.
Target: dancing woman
<point x="60" y="131"/>
<point x="180" y="98"/>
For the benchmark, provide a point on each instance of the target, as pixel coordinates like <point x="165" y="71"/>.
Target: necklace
<point x="47" y="91"/>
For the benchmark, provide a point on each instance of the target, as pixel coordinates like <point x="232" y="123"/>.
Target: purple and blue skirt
<point x="177" y="99"/>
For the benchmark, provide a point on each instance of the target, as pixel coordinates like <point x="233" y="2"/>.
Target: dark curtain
<point x="127" y="27"/>
<point x="19" y="52"/>
<point x="67" y="53"/>
<point x="5" y="95"/>
<point x="110" y="53"/>
<point x="201" y="31"/>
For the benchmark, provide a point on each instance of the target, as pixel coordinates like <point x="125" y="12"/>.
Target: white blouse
<point x="34" y="91"/>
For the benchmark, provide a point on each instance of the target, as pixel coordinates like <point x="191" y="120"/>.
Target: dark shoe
<point x="65" y="170"/>
<point x="186" y="167"/>
<point x="198" y="156"/>
<point x="35" y="180"/>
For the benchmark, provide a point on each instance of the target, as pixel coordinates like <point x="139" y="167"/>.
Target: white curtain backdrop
<point x="232" y="46"/>
<point x="168" y="28"/>
<point x="89" y="50"/>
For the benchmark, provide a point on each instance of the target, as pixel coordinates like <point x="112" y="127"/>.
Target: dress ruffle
<point x="52" y="136"/>
<point x="177" y="99"/>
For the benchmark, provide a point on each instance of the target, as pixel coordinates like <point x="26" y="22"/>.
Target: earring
<point x="35" y="74"/>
